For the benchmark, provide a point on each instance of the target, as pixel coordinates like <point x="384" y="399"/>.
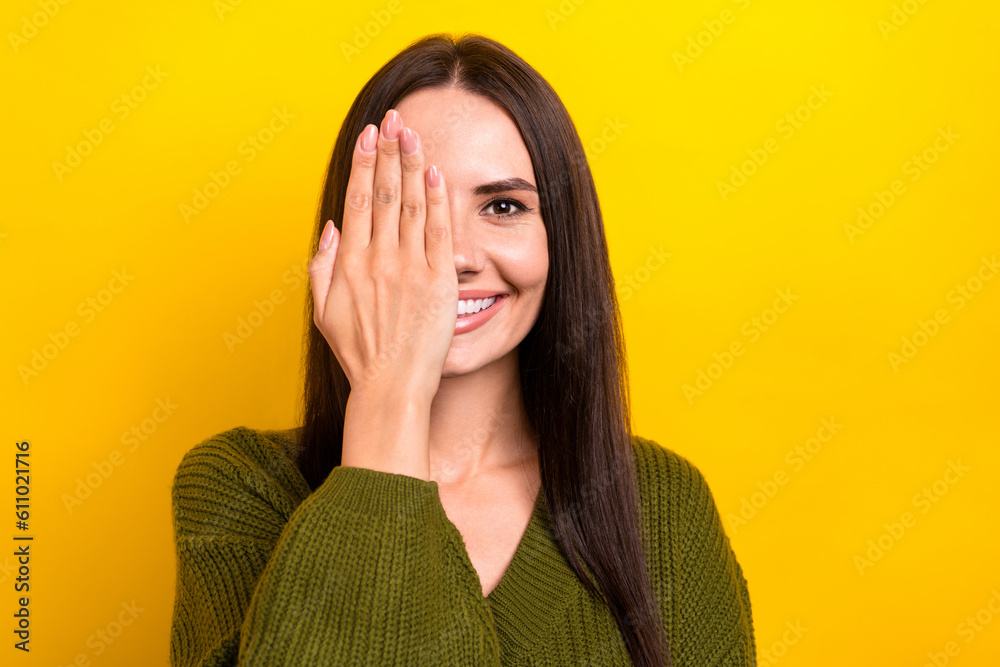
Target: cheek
<point x="529" y="263"/>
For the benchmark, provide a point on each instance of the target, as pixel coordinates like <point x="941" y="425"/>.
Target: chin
<point x="465" y="361"/>
<point x="456" y="368"/>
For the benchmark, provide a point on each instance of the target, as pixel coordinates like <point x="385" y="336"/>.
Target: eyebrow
<point x="504" y="185"/>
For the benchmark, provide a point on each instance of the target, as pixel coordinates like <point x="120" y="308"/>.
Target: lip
<point x="465" y="294"/>
<point x="464" y="324"/>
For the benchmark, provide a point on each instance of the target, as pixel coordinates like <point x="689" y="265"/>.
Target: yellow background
<point x="661" y="134"/>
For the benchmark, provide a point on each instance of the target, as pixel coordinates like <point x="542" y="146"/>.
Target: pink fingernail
<point x="434" y="177"/>
<point x="368" y="138"/>
<point x="408" y="141"/>
<point x="327" y="236"/>
<point x="391" y="125"/>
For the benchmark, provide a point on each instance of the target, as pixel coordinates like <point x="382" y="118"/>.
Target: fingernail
<point x="391" y="125"/>
<point x="327" y="237"/>
<point x="408" y="141"/>
<point x="434" y="177"/>
<point x="368" y="138"/>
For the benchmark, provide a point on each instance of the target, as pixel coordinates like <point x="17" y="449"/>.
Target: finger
<point x="386" y="193"/>
<point x="357" y="225"/>
<point x="437" y="229"/>
<point x="321" y="269"/>
<point x="413" y="207"/>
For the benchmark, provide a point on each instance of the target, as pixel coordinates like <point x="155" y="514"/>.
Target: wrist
<point x="400" y="399"/>
<point x="388" y="432"/>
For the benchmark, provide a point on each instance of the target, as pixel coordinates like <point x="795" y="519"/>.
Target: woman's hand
<point x="386" y="292"/>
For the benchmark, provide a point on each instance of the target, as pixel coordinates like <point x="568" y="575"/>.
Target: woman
<point x="464" y="488"/>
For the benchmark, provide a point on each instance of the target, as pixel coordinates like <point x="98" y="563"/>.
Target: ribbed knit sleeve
<point x="708" y="616"/>
<point x="353" y="573"/>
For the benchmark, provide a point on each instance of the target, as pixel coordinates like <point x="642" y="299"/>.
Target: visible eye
<point x="503" y="206"/>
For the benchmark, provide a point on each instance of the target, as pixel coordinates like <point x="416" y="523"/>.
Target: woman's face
<point x="498" y="235"/>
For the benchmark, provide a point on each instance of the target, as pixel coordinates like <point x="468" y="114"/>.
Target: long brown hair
<point x="572" y="363"/>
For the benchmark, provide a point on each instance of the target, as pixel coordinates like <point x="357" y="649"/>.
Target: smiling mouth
<point x="473" y="306"/>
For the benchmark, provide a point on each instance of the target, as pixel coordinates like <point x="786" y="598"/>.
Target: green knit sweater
<point x="369" y="570"/>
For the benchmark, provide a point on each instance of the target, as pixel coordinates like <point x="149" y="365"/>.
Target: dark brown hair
<point x="572" y="362"/>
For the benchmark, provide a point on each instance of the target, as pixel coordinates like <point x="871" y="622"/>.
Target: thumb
<point x="321" y="267"/>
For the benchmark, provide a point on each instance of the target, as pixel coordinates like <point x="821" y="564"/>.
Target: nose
<point x="465" y="244"/>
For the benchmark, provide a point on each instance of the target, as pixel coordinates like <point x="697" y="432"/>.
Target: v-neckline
<point x="532" y="594"/>
<point x="515" y="561"/>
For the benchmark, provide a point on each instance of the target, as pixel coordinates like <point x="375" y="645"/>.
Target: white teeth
<point x="470" y="306"/>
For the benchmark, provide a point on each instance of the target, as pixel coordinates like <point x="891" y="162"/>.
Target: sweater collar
<point x="534" y="591"/>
